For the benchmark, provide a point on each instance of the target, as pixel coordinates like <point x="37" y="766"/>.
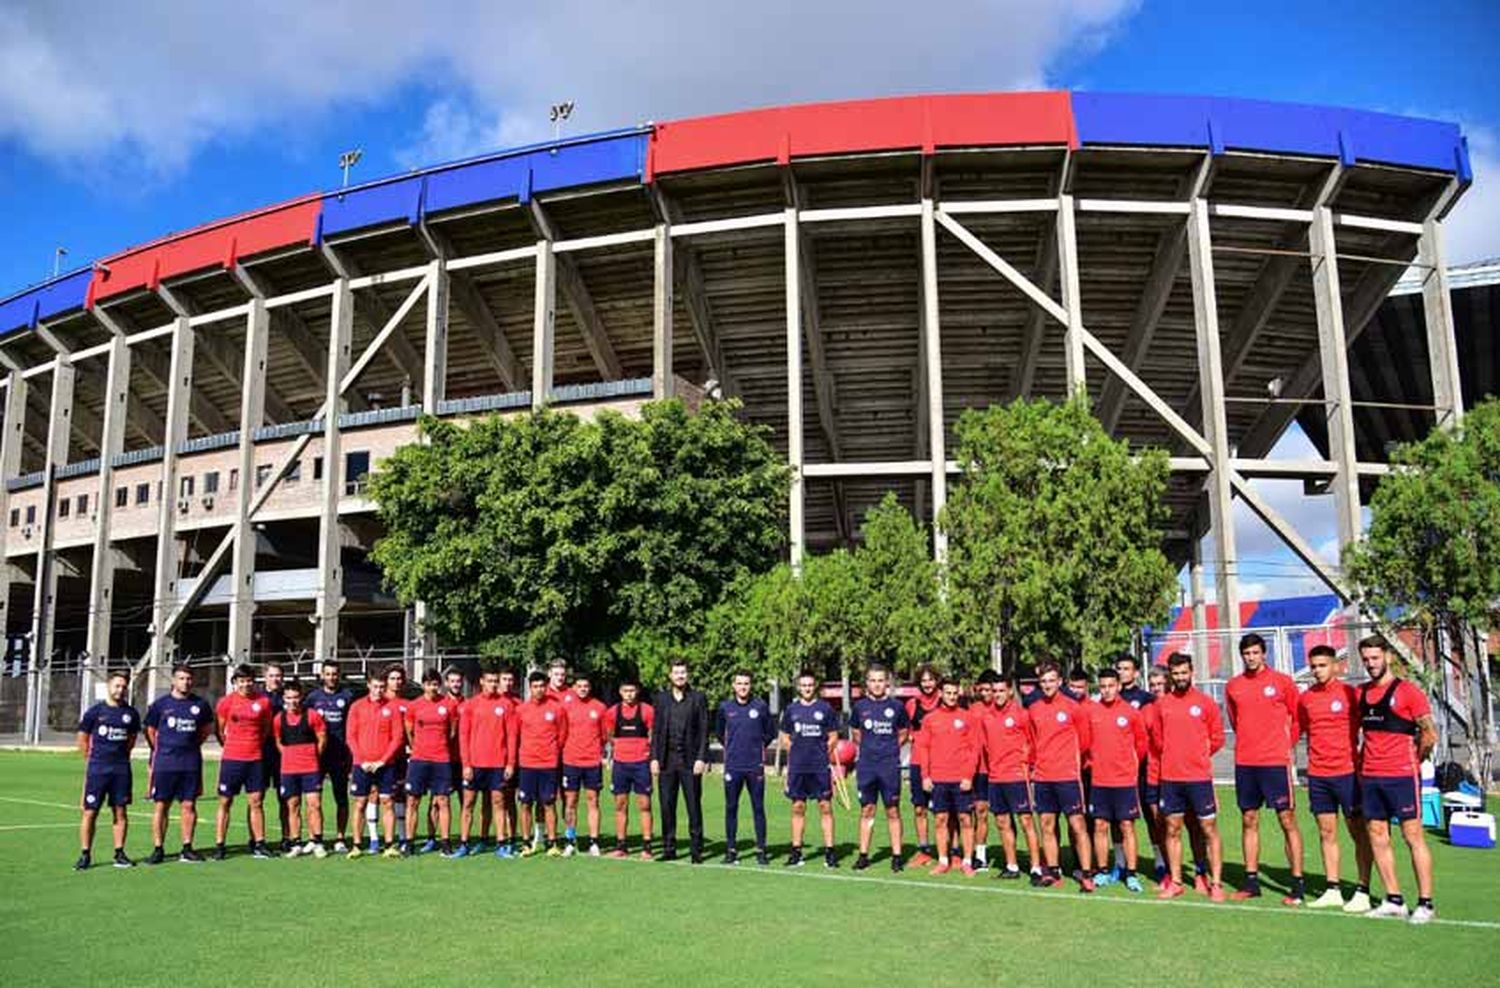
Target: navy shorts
<point x="300" y="784"/>
<point x="271" y="759"/>
<point x="1333" y="794"/>
<point x="1389" y="797"/>
<point x="382" y="780"/>
<point x="802" y="786"/>
<point x="423" y="778"/>
<point x="628" y="777"/>
<point x="879" y="783"/>
<point x="914" y="783"/>
<point x="483" y="779"/>
<point x="1058" y="797"/>
<point x="575" y="777"/>
<point x="1010" y="797"/>
<point x="336" y="764"/>
<point x="1115" y="803"/>
<point x="236" y="775"/>
<point x="981" y="787"/>
<point x="106" y="783"/>
<point x="949" y="797"/>
<point x="1151" y="794"/>
<point x="1263" y="785"/>
<point x="1177" y="798"/>
<point x="182" y="786"/>
<point x="537" y="785"/>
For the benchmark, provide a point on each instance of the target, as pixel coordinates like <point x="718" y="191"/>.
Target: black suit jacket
<point x="695" y="706"/>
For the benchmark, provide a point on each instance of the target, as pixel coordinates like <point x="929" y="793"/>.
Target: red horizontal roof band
<point x="919" y="123"/>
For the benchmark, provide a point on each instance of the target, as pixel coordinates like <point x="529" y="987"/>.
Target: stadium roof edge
<point x="778" y="134"/>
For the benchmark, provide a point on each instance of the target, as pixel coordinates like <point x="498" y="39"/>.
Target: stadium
<point x="856" y="273"/>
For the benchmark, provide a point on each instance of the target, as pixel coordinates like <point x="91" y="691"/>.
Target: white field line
<point x="38" y="802"/>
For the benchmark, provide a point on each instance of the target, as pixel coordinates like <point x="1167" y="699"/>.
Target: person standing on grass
<point x="1328" y="716"/>
<point x="376" y="736"/>
<point x="879" y="728"/>
<point x="583" y="763"/>
<point x="982" y="706"/>
<point x="508" y="689"/>
<point x="1059" y="742"/>
<point x="1156" y="820"/>
<point x="918" y="707"/>
<point x="244" y="718"/>
<point x="485" y="723"/>
<point x="1006" y="736"/>
<point x="1185" y="732"/>
<point x="541" y="733"/>
<point x="948" y="751"/>
<point x="628" y="725"/>
<point x="177" y="724"/>
<point x="1117" y="736"/>
<point x="744" y="726"/>
<point x="301" y="737"/>
<point x="453" y="690"/>
<point x="809" y="733"/>
<point x="1133" y="692"/>
<point x="270" y="757"/>
<point x="679" y="757"/>
<point x="431" y="725"/>
<point x="331" y="699"/>
<point x="106" y="733"/>
<point x="1397" y="733"/>
<point x="1262" y="707"/>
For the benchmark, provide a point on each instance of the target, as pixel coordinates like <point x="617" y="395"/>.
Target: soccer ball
<point x="845" y="751"/>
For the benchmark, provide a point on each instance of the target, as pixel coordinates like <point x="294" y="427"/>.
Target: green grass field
<point x="435" y="921"/>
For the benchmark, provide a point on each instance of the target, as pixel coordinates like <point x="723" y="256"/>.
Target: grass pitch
<point x="604" y="922"/>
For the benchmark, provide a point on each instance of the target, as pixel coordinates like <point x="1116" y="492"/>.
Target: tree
<point x="605" y="541"/>
<point x="1054" y="534"/>
<point x="906" y="620"/>
<point x="1432" y="552"/>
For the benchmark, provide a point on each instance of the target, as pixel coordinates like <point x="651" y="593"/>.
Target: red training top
<point x="629" y="749"/>
<point x="245" y="723"/>
<point x="375" y="731"/>
<point x="431" y="724"/>
<point x="485" y="724"/>
<point x="542" y="730"/>
<point x="1328" y="716"/>
<point x="1117" y="735"/>
<point x="298" y="759"/>
<point x="947" y="748"/>
<point x="585" y="745"/>
<point x="1387" y="754"/>
<point x="1262" y="709"/>
<point x="454" y="754"/>
<point x="1007" y="742"/>
<point x="1059" y="738"/>
<point x="1185" y="730"/>
<point x="919" y="707"/>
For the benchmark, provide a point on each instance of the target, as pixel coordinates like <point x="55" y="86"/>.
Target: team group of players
<point x="1050" y="762"/>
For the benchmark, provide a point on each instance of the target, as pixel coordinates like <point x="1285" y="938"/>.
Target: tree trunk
<point x="1477" y="681"/>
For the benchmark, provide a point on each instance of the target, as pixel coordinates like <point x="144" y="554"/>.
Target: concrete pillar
<point x="102" y="570"/>
<point x="164" y="594"/>
<point x="1067" y="256"/>
<point x="252" y="413"/>
<point x="1200" y="610"/>
<point x="663" y="303"/>
<point x="932" y="351"/>
<point x="12" y="441"/>
<point x="1437" y="308"/>
<point x="1215" y="426"/>
<point x="44" y="590"/>
<point x="330" y="597"/>
<point x="544" y="324"/>
<point x="435" y="353"/>
<point x="1333" y="355"/>
<point x="796" y="521"/>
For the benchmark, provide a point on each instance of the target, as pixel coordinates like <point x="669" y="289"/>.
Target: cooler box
<point x="1432" y="807"/>
<point x="1469" y="829"/>
<point x="1458" y="802"/>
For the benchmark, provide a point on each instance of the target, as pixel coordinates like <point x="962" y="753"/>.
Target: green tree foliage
<point x="606" y="541"/>
<point x="1432" y="553"/>
<point x="1054" y="534"/>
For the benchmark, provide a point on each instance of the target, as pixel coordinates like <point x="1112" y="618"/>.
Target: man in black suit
<point x="679" y="757"/>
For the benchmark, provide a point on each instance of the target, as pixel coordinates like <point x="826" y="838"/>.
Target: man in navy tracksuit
<point x="744" y="726"/>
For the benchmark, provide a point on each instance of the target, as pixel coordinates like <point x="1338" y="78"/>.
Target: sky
<point x="122" y="122"/>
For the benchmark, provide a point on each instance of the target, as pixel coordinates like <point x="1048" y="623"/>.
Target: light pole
<point x="57" y="255"/>
<point x="348" y="160"/>
<point x="558" y="113"/>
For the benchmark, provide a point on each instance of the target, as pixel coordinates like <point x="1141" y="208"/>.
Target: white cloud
<point x="155" y="81"/>
<point x="1472" y="230"/>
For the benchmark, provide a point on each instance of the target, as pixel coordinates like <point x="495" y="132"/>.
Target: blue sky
<point x="121" y="123"/>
